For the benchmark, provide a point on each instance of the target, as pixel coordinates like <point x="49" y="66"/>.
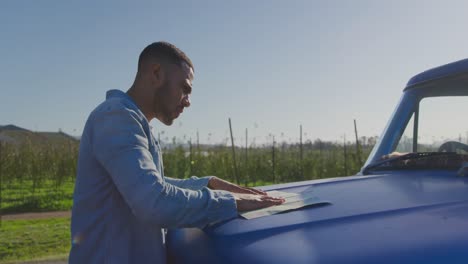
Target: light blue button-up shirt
<point x="122" y="199"/>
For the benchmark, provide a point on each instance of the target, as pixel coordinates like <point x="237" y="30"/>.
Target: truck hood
<point x="388" y="218"/>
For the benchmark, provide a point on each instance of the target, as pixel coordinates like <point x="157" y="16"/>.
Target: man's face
<point x="173" y="96"/>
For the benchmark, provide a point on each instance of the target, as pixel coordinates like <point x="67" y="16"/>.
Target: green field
<point x="34" y="239"/>
<point x="18" y="197"/>
<point x="38" y="177"/>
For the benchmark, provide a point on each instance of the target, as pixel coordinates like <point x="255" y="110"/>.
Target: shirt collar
<point x="119" y="94"/>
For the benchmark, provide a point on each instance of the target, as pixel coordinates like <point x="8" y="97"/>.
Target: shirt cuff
<point x="225" y="205"/>
<point x="203" y="181"/>
<point x="196" y="183"/>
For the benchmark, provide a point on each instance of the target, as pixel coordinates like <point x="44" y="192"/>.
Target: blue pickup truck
<point x="408" y="204"/>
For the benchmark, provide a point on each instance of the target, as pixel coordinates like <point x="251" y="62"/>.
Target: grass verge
<point x="18" y="197"/>
<point x="25" y="240"/>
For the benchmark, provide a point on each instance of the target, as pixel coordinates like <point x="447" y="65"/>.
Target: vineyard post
<point x="345" y="156"/>
<point x="246" y="174"/>
<point x="301" y="155"/>
<point x="191" y="158"/>
<point x="320" y="147"/>
<point x="321" y="156"/>
<point x="233" y="154"/>
<point x="70" y="156"/>
<point x="273" y="160"/>
<point x="198" y="143"/>
<point x="358" y="151"/>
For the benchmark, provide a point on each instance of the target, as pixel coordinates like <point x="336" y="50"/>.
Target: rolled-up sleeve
<point x="121" y="147"/>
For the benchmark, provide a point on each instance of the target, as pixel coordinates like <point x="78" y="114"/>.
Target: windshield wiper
<point x="410" y="156"/>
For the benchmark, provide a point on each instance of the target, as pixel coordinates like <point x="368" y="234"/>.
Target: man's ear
<point x="158" y="73"/>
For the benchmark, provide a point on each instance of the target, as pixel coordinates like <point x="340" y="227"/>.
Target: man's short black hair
<point x="164" y="51"/>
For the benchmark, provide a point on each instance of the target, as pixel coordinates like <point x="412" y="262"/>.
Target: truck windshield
<point x="438" y="120"/>
<point x="435" y="137"/>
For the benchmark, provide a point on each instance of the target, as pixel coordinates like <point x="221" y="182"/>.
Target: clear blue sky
<point x="269" y="65"/>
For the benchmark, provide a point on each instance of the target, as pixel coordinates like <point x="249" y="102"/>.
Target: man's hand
<point x="249" y="202"/>
<point x="247" y="199"/>
<point x="216" y="183"/>
<point x="393" y="155"/>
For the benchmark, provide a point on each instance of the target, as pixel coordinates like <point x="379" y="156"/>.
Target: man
<point x="122" y="200"/>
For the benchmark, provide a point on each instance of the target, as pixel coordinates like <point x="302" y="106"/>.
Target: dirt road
<point x="42" y="215"/>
